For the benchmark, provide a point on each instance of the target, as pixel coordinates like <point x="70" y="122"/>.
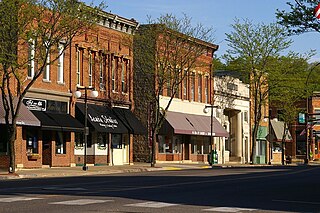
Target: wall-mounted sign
<point x="35" y="104"/>
<point x="302" y="118"/>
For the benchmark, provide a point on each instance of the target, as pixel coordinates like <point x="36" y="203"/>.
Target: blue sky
<point x="219" y="14"/>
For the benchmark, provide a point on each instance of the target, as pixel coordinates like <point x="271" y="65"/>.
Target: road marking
<point x="151" y="204"/>
<point x="80" y="202"/>
<point x="296" y="201"/>
<point x="228" y="209"/>
<point x="17" y="198"/>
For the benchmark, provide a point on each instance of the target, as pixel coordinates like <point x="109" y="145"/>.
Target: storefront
<point x="186" y="137"/>
<point x="55" y="136"/>
<point x="110" y="139"/>
<point x="27" y="146"/>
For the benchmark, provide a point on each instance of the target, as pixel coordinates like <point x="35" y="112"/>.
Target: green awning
<point x="262" y="133"/>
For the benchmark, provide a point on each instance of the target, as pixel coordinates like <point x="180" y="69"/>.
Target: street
<point x="246" y="189"/>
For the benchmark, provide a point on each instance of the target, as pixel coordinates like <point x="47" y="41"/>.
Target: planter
<point x="33" y="156"/>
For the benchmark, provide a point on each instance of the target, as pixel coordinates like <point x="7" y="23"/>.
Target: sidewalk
<point x="105" y="170"/>
<point x="95" y="170"/>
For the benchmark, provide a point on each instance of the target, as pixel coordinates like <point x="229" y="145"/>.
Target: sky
<point x="218" y="14"/>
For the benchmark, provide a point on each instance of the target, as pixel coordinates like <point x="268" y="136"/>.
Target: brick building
<point x="185" y="133"/>
<point x="100" y="60"/>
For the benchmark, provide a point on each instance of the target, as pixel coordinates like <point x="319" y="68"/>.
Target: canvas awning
<point x="25" y="116"/>
<point x="191" y="124"/>
<point x="101" y="118"/>
<point x="277" y="131"/>
<point x="58" y="122"/>
<point x="262" y="133"/>
<point x="130" y="121"/>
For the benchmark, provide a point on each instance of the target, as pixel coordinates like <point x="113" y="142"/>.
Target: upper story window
<point x="124" y="71"/>
<point x="61" y="63"/>
<point x="102" y="65"/>
<point x="185" y="85"/>
<point x="31" y="55"/>
<point x="199" y="88"/>
<point x="90" y="70"/>
<point x="206" y="90"/>
<point x="79" y="67"/>
<point x="232" y="86"/>
<point x="245" y="116"/>
<point x="113" y="74"/>
<point x="193" y="79"/>
<point x="46" y="72"/>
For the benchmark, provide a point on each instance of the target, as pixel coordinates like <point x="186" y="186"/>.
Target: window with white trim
<point x="113" y="74"/>
<point x="90" y="69"/>
<point x="206" y="91"/>
<point x="31" y="55"/>
<point x="46" y="73"/>
<point x="199" y="88"/>
<point x="78" y="69"/>
<point x="102" y="65"/>
<point x="61" y="63"/>
<point x="124" y="75"/>
<point x="192" y="86"/>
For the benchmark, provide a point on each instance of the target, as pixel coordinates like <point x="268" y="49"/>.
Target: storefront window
<point x="102" y="140"/>
<point x="177" y="144"/>
<point x="161" y="144"/>
<point x="116" y="141"/>
<point x="200" y="145"/>
<point x="165" y="144"/>
<point x="60" y="143"/>
<point x="32" y="141"/>
<point x="3" y="140"/>
<point x="79" y="140"/>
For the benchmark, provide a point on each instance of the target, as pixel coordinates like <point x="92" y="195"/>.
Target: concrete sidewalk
<point x="95" y="170"/>
<point x="136" y="167"/>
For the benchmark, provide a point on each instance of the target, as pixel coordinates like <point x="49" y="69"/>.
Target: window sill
<point x="46" y="81"/>
<point x="33" y="156"/>
<point x="60" y="83"/>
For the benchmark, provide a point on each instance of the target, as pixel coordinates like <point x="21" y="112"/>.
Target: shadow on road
<point x="266" y="188"/>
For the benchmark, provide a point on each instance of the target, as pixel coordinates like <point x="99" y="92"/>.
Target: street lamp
<point x="78" y="94"/>
<point x="206" y="110"/>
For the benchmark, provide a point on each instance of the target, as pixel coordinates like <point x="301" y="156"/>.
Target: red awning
<point x="25" y="117"/>
<point x="190" y="124"/>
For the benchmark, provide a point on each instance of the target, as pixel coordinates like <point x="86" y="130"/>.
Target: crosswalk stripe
<point x="17" y="198"/>
<point x="228" y="209"/>
<point x="80" y="202"/>
<point x="151" y="204"/>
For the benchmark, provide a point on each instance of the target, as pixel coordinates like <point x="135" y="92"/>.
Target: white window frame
<point x="46" y="74"/>
<point x="113" y="75"/>
<point x="31" y="55"/>
<point x="61" y="63"/>
<point x="90" y="69"/>
<point x="78" y="69"/>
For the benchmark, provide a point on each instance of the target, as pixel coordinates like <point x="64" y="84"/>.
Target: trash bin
<point x="214" y="157"/>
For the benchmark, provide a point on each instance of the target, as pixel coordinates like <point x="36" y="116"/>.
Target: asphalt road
<point x="254" y="189"/>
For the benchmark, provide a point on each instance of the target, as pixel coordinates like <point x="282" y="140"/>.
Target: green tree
<point x="254" y="47"/>
<point x="287" y="88"/>
<point x="300" y="18"/>
<point x="166" y="51"/>
<point x="42" y="25"/>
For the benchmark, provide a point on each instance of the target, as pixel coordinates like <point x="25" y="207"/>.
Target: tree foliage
<point x="44" y="25"/>
<point x="253" y="50"/>
<point x="300" y="18"/>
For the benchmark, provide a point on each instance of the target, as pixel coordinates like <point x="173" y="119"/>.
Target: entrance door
<point x="46" y="148"/>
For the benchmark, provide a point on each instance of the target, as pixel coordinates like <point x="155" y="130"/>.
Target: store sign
<point x="104" y="121"/>
<point x="35" y="104"/>
<point x="302" y="118"/>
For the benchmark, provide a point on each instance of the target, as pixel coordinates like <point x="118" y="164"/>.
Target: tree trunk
<point x="11" y="129"/>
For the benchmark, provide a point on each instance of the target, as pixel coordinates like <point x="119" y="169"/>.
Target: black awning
<point x="102" y="118"/>
<point x="130" y="121"/>
<point x="58" y="122"/>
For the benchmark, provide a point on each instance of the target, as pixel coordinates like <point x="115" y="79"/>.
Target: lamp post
<point x="206" y="110"/>
<point x="93" y="94"/>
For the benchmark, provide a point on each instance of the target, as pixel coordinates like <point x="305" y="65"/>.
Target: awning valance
<point x="190" y="124"/>
<point x="102" y="118"/>
<point x="58" y="122"/>
<point x="25" y="117"/>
